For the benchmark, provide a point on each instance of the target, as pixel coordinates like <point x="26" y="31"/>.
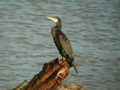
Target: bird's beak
<point x="53" y="19"/>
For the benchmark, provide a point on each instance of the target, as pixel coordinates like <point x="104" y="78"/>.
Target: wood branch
<point x="52" y="75"/>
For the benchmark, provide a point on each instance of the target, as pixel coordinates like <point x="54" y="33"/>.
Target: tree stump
<point x="52" y="75"/>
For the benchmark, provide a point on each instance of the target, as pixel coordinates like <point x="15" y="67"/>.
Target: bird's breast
<point x="53" y="32"/>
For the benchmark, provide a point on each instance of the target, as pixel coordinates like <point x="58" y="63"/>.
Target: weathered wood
<point x="70" y="86"/>
<point x="20" y="85"/>
<point x="52" y="75"/>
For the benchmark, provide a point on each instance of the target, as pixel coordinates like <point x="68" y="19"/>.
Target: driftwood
<point x="70" y="86"/>
<point x="52" y="75"/>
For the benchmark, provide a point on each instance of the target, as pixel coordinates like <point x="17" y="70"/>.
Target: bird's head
<point x="55" y="19"/>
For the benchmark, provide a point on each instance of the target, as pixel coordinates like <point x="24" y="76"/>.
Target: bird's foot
<point x="59" y="61"/>
<point x="58" y="58"/>
<point x="63" y="58"/>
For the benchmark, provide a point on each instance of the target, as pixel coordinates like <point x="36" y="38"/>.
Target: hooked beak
<point x="53" y="19"/>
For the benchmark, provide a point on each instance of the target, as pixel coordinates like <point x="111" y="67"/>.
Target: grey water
<point x="92" y="26"/>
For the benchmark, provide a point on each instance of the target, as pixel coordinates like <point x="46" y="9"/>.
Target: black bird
<point x="61" y="41"/>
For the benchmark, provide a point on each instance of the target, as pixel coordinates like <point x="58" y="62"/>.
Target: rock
<point x="70" y="86"/>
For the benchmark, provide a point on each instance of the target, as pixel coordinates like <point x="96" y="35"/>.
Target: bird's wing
<point x="65" y="43"/>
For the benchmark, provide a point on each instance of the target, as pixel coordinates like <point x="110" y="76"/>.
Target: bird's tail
<point x="75" y="68"/>
<point x="71" y="62"/>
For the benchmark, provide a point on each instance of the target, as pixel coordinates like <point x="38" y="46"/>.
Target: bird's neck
<point x="58" y="25"/>
<point x="55" y="30"/>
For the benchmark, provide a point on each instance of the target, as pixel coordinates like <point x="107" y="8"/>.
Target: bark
<point x="52" y="75"/>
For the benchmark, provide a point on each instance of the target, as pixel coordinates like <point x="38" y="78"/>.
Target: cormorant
<point x="61" y="41"/>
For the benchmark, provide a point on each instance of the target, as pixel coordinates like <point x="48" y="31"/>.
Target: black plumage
<point x="61" y="41"/>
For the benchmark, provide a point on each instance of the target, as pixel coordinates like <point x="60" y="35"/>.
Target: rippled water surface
<point x="93" y="26"/>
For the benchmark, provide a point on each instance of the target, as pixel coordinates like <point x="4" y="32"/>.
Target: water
<point x="93" y="26"/>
